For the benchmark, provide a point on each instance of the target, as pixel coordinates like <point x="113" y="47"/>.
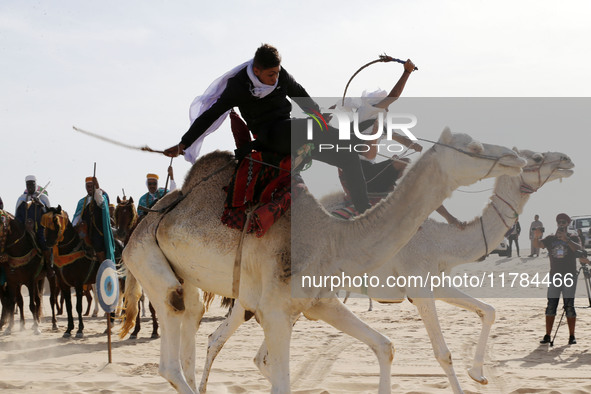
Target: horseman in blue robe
<point x="154" y="192"/>
<point x="92" y="220"/>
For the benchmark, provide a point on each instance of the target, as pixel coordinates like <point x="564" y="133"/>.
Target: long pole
<point x="167" y="177"/>
<point x="109" y="335"/>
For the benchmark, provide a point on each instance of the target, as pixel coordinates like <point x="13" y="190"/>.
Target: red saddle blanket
<point x="264" y="188"/>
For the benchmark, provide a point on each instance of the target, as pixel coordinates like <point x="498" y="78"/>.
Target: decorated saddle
<point x="260" y="187"/>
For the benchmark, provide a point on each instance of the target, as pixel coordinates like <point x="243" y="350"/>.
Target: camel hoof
<point x="54" y="327"/>
<point x="478" y="377"/>
<point x="79" y="334"/>
<point x="67" y="335"/>
<point x="155" y="335"/>
<point x="36" y="331"/>
<point x="8" y="331"/>
<point x="133" y="336"/>
<point x="94" y="314"/>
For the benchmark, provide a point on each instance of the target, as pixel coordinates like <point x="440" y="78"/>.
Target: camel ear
<point x="131" y="200"/>
<point x="516" y="150"/>
<point x="59" y="209"/>
<point x="118" y="200"/>
<point x="475" y="147"/>
<point x="446" y="136"/>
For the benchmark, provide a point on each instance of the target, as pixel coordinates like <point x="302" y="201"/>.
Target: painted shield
<point x="107" y="286"/>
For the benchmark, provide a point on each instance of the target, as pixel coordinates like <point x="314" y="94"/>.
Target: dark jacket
<point x="257" y="112"/>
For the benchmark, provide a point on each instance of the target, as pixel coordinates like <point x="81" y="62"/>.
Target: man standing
<point x="535" y="252"/>
<point x="563" y="270"/>
<point x="30" y="206"/>
<point x="92" y="218"/>
<point x="513" y="236"/>
<point x="154" y="193"/>
<point x="259" y="88"/>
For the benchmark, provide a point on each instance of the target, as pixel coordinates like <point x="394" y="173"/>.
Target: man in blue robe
<point x="92" y="218"/>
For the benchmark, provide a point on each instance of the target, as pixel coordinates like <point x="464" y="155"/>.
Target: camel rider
<point x="259" y="88"/>
<point x="30" y="206"/>
<point x="154" y="192"/>
<point x="92" y="221"/>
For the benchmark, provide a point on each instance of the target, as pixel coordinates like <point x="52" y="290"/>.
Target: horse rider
<point x="154" y="192"/>
<point x="259" y="88"/>
<point x="93" y="223"/>
<point x="30" y="206"/>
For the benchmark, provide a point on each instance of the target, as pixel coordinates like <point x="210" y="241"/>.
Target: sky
<point x="128" y="70"/>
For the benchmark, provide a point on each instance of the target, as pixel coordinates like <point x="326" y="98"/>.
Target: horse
<point x="126" y="219"/>
<point x="75" y="264"/>
<point x="24" y="265"/>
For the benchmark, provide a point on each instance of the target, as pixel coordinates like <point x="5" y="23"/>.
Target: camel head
<point x="470" y="160"/>
<point x="544" y="167"/>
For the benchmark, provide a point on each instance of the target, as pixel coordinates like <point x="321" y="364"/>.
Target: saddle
<point x="259" y="188"/>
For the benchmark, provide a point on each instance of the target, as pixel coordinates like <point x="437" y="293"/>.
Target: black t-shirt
<point x="257" y="112"/>
<point x="562" y="258"/>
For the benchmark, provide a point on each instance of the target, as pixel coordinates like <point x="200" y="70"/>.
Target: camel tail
<point x="133" y="292"/>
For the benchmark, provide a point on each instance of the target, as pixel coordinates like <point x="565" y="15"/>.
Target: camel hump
<point x="208" y="165"/>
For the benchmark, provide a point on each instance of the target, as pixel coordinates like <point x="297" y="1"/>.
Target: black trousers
<point x="287" y="135"/>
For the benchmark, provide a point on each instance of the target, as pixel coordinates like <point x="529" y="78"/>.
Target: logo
<point x="317" y="116"/>
<point x="350" y="128"/>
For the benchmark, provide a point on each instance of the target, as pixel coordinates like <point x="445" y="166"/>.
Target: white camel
<point x="191" y="243"/>
<point x="436" y="248"/>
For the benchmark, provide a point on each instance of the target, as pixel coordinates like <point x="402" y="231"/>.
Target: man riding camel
<point x="92" y="220"/>
<point x="259" y="88"/>
<point x="30" y="207"/>
<point x="154" y="193"/>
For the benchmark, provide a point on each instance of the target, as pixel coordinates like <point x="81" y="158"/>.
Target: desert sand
<point x="323" y="360"/>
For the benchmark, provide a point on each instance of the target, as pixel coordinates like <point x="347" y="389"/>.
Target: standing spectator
<point x="535" y="252"/>
<point x="1" y="203"/>
<point x="513" y="236"/>
<point x="562" y="249"/>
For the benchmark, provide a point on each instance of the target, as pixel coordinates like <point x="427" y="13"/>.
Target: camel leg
<point x="336" y="314"/>
<point x="277" y="327"/>
<point x="167" y="295"/>
<point x="486" y="312"/>
<point x="170" y="364"/>
<point x="423" y="300"/>
<point x="219" y="337"/>
<point x="194" y="310"/>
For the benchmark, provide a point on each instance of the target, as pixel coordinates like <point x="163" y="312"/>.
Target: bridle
<point x="524" y="188"/>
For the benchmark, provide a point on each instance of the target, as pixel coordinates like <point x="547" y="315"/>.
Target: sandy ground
<point x="323" y="360"/>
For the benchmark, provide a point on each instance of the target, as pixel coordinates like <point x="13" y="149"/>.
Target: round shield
<point x="107" y="286"/>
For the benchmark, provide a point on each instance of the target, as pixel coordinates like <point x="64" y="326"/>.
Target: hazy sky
<point x="129" y="70"/>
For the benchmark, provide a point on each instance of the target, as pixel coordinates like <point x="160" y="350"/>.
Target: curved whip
<point x="383" y="58"/>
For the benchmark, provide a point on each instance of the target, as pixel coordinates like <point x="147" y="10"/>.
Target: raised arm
<point x="399" y="87"/>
